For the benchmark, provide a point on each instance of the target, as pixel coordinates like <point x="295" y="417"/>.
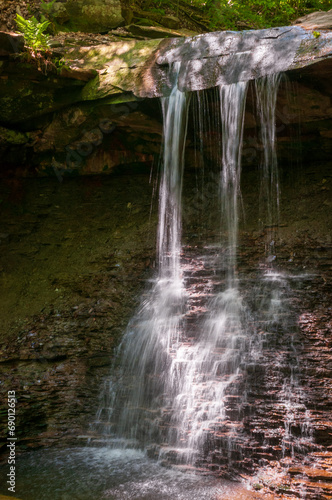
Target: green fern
<point x="33" y="32"/>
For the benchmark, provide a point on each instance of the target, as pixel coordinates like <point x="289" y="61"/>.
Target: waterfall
<point x="232" y="98"/>
<point x="202" y="370"/>
<point x="135" y="400"/>
<point x="275" y="286"/>
<point x="169" y="229"/>
<point x="266" y="94"/>
<point x="183" y="369"/>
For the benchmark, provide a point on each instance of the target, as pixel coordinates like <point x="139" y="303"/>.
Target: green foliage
<point x="266" y="13"/>
<point x="234" y="14"/>
<point x="47" y="7"/>
<point x="316" y="34"/>
<point x="244" y="14"/>
<point x="158" y="11"/>
<point x="33" y="32"/>
<point x="59" y="63"/>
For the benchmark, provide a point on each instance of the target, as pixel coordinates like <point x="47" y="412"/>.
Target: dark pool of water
<point x="110" y="474"/>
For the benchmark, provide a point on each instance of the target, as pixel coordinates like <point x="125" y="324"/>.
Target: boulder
<point x="316" y="20"/>
<point x="223" y="58"/>
<point x="59" y="13"/>
<point x="142" y="67"/>
<point x="119" y="66"/>
<point x="94" y="16"/>
<point x="10" y="43"/>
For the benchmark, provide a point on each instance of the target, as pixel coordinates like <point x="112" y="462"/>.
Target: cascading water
<point x="266" y="94"/>
<point x="185" y="370"/>
<point x="233" y="98"/>
<point x="275" y="287"/>
<point x="146" y="348"/>
<point x="202" y="369"/>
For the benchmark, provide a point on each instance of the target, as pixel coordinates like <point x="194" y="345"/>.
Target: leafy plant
<point x="33" y="32"/>
<point x="240" y="14"/>
<point x="47" y="7"/>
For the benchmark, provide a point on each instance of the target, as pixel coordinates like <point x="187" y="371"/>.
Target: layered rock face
<point x="75" y="258"/>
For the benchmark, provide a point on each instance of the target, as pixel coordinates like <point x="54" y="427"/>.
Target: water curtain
<point x="175" y="379"/>
<point x="266" y="95"/>
<point x="136" y="398"/>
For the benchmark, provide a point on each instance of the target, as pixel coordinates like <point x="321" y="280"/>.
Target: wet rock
<point x="312" y="473"/>
<point x="98" y="361"/>
<point x="64" y="349"/>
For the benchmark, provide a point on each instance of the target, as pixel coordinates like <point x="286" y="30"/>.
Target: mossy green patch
<point x="93" y="16"/>
<point x="117" y="63"/>
<point x="8" y="136"/>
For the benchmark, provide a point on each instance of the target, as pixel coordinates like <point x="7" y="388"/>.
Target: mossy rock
<point x="59" y="13"/>
<point x="24" y="98"/>
<point x="171" y="22"/>
<point x="12" y="137"/>
<point x="94" y="16"/>
<point x="118" y="63"/>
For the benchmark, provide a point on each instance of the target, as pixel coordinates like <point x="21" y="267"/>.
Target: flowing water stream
<point x="198" y="333"/>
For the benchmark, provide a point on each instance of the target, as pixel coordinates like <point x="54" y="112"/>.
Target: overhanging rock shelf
<point x="142" y="67"/>
<point x="43" y="113"/>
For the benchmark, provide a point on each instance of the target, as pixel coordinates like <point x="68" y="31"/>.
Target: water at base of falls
<point x="108" y="474"/>
<point x="191" y="356"/>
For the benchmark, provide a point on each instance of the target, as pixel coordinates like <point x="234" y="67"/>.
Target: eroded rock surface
<point x="75" y="257"/>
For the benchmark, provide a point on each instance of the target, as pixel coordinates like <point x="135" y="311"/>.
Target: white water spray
<point x="179" y="368"/>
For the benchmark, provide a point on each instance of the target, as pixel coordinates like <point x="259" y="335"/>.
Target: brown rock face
<point x="55" y="350"/>
<point x="10" y="43"/>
